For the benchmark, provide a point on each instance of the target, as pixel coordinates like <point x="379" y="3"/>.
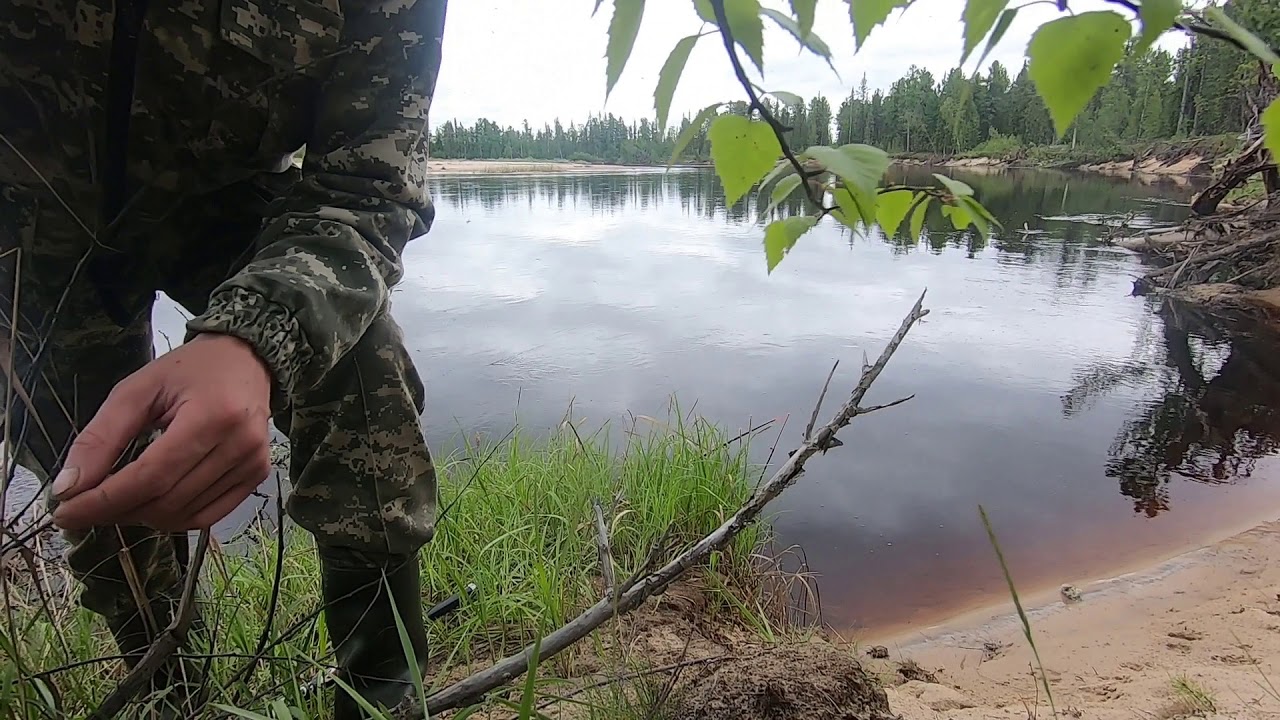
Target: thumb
<point x="127" y="411"/>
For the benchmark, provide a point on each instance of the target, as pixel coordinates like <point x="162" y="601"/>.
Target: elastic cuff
<point x="269" y="328"/>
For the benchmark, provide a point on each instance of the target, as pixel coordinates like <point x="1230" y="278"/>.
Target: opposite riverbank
<point x="441" y="166"/>
<point x="1191" y="158"/>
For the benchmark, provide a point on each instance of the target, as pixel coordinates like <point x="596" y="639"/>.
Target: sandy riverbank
<point x="1200" y="629"/>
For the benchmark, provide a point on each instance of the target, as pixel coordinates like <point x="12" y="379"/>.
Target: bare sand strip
<point x="1196" y="635"/>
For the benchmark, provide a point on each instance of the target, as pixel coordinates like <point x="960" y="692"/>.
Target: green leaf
<point x="892" y="208"/>
<point x="688" y="134"/>
<point x="785" y="187"/>
<point x="1252" y="42"/>
<point x="1271" y="129"/>
<point x="744" y="24"/>
<point x="804" y="11"/>
<point x="281" y="710"/>
<point x="859" y="165"/>
<point x="781" y="235"/>
<point x="1002" y="27"/>
<point x="1157" y="17"/>
<point x="782" y="169"/>
<point x="743" y="150"/>
<point x="808" y="39"/>
<point x="960" y="216"/>
<point x="917" y="217"/>
<point x="1072" y="57"/>
<point x="855" y="204"/>
<point x="669" y="76"/>
<point x="623" y="30"/>
<point x="240" y="713"/>
<point x="866" y="14"/>
<point x="979" y="210"/>
<point x="530" y="697"/>
<point x="787" y="98"/>
<point x="979" y="16"/>
<point x="956" y="187"/>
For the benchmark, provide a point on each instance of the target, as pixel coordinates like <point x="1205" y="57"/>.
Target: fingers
<point x="179" y="508"/>
<point x="157" y="471"/>
<point x="128" y="410"/>
<point x="221" y="507"/>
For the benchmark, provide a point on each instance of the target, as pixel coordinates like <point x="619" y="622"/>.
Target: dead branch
<point x="473" y="688"/>
<point x="813" y="419"/>
<point x="603" y="550"/>
<point x="164" y="647"/>
<point x="1229" y="250"/>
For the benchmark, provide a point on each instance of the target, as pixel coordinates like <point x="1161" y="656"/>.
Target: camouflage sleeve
<point x="326" y="260"/>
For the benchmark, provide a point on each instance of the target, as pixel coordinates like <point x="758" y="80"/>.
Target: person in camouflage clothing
<point x="146" y="146"/>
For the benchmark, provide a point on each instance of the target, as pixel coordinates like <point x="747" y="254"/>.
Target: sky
<point x="512" y="60"/>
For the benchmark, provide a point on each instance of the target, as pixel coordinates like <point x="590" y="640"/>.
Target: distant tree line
<point x="1200" y="90"/>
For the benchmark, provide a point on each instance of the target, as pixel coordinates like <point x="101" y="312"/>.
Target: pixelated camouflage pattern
<point x="296" y="262"/>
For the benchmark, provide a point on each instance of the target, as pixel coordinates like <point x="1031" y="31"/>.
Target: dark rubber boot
<point x="362" y="627"/>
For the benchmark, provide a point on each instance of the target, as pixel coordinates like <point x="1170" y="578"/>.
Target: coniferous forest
<point x="1198" y="91"/>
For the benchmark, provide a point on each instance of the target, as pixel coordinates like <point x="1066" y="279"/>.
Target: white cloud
<point x="508" y="60"/>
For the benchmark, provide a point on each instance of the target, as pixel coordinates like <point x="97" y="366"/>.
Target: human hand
<point x="211" y="397"/>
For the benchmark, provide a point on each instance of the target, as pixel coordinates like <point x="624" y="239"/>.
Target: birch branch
<point x="632" y="594"/>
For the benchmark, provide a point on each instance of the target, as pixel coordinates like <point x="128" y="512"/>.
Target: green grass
<point x="518" y="524"/>
<point x="999" y="147"/>
<point x="1190" y="699"/>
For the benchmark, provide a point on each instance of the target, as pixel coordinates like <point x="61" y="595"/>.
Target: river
<point x="1098" y="429"/>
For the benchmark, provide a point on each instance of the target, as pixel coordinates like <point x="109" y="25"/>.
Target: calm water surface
<point x="1096" y="428"/>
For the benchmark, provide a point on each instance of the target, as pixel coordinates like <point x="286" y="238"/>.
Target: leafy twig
<point x="1192" y="27"/>
<point x="814" y="194"/>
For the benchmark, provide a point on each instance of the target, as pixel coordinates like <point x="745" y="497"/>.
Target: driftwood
<point x="1254" y="159"/>
<point x="649" y="581"/>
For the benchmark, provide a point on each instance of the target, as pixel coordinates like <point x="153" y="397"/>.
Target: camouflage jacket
<point x="225" y="90"/>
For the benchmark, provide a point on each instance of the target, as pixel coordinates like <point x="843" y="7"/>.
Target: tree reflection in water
<point x="1215" y="412"/>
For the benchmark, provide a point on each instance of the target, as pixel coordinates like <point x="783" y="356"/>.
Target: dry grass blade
<point x="1017" y="603"/>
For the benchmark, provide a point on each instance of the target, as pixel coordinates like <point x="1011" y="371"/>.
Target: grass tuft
<point x="1190" y="699"/>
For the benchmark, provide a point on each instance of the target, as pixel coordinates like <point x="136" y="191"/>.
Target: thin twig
<point x="164" y="647"/>
<point x="479" y="684"/>
<point x="272" y="604"/>
<point x="813" y="419"/>
<point x="636" y="675"/>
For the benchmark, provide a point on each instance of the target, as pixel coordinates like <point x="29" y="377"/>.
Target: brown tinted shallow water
<point x="1098" y="429"/>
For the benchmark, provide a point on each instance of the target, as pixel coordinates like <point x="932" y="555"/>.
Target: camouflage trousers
<point x="361" y="476"/>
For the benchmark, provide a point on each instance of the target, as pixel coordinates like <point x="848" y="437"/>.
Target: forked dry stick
<point x="165" y="645"/>
<point x="634" y="592"/>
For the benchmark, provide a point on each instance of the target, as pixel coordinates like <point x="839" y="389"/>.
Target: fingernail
<point x="65" y="481"/>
